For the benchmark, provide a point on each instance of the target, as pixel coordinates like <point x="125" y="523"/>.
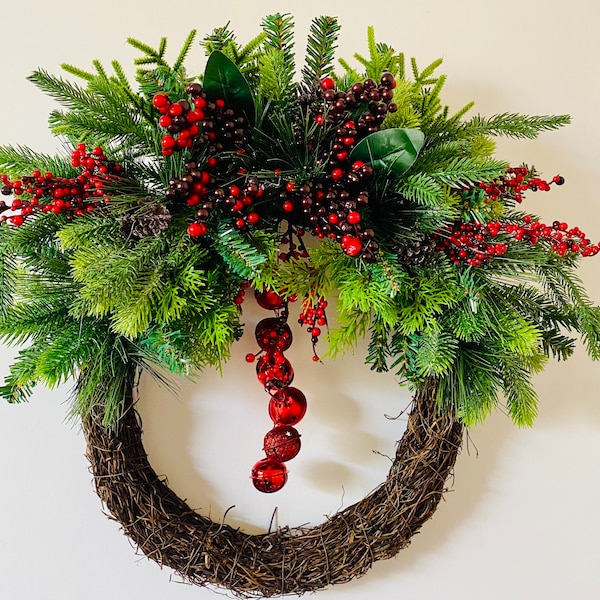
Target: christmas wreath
<point x="133" y="253"/>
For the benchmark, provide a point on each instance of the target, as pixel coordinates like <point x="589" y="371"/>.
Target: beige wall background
<point x="522" y="521"/>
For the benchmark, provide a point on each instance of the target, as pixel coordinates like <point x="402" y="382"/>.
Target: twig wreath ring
<point x="135" y="253"/>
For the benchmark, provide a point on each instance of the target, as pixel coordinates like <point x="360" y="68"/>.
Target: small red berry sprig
<point x="474" y="244"/>
<point x="513" y="184"/>
<point x="287" y="404"/>
<point x="47" y="193"/>
<point x="199" y="119"/>
<point x="313" y="315"/>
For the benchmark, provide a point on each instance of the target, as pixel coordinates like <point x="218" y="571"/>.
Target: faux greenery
<point x="87" y="300"/>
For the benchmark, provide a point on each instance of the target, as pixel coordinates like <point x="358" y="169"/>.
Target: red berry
<point x="354" y="217"/>
<point x="176" y="110"/>
<point x="168" y="142"/>
<point x="327" y="83"/>
<point x="337" y="174"/>
<point x="160" y="101"/>
<point x="17" y="220"/>
<point x="165" y="121"/>
<point x="353" y="246"/>
<point x="197" y="229"/>
<point x="288" y="206"/>
<point x="253" y="217"/>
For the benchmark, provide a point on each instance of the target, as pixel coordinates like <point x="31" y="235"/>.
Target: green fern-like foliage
<point x="143" y="269"/>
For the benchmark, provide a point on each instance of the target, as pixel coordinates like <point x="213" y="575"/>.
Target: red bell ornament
<point x="269" y="300"/>
<point x="287" y="406"/>
<point x="273" y="334"/>
<point x="274" y="371"/>
<point x="269" y="475"/>
<point x="282" y="443"/>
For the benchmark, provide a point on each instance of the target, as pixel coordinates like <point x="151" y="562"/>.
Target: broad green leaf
<point x="390" y="150"/>
<point x="223" y="79"/>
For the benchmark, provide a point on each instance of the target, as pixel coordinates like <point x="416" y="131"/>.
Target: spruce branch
<point x="320" y="48"/>
<point x="513" y="125"/>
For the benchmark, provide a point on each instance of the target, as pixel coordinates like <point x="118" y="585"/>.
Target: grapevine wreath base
<point x="289" y="560"/>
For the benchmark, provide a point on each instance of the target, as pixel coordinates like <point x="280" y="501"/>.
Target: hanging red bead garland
<point x="287" y="405"/>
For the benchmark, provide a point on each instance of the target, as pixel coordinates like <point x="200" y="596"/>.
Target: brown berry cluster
<point x="295" y="250"/>
<point x="331" y="209"/>
<point x="377" y="97"/>
<point x="210" y="123"/>
<point x="474" y="244"/>
<point x="333" y="212"/>
<point x="73" y="195"/>
<point x="287" y="404"/>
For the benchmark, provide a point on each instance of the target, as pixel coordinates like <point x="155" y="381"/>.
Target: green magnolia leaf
<point x="391" y="150"/>
<point x="223" y="79"/>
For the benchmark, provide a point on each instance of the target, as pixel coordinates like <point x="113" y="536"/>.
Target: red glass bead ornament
<point x="269" y="475"/>
<point x="273" y="334"/>
<point x="287" y="406"/>
<point x="282" y="443"/>
<point x="269" y="300"/>
<point x="274" y="371"/>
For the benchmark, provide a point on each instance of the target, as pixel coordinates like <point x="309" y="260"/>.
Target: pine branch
<point x="247" y="258"/>
<point x="320" y="48"/>
<point x="16" y="161"/>
<point x="378" y="350"/>
<point x="466" y="171"/>
<point x="185" y="50"/>
<point x="513" y="125"/>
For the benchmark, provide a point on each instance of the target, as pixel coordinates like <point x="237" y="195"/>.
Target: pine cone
<point x="152" y="222"/>
<point x="414" y="253"/>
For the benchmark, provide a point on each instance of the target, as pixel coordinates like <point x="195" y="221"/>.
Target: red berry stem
<point x="75" y="196"/>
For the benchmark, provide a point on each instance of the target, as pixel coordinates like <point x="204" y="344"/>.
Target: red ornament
<point x="274" y="371"/>
<point x="273" y="334"/>
<point x="269" y="475"/>
<point x="287" y="406"/>
<point x="282" y="443"/>
<point x="269" y="300"/>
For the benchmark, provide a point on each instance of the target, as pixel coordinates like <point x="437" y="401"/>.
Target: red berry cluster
<point x="198" y="118"/>
<point x="314" y="317"/>
<point x="474" y="244"/>
<point x="287" y="405"/>
<point x="512" y="184"/>
<point x="180" y="120"/>
<point x="47" y="193"/>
